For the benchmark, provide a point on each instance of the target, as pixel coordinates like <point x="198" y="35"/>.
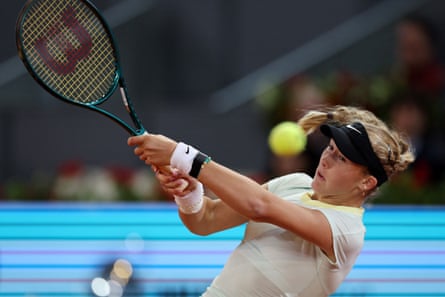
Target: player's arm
<point x="242" y="194"/>
<point x="258" y="204"/>
<point x="200" y="214"/>
<point x="214" y="216"/>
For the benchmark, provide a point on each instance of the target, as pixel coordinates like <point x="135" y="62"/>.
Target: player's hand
<point x="153" y="149"/>
<point x="174" y="182"/>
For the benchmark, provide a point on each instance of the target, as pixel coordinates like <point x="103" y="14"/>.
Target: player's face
<point x="336" y="175"/>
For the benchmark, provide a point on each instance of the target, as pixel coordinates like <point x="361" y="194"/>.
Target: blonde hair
<point x="391" y="147"/>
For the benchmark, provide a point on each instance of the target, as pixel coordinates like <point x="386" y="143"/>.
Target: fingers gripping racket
<point x="68" y="48"/>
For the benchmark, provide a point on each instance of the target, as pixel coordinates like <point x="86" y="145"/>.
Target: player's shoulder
<point x="294" y="180"/>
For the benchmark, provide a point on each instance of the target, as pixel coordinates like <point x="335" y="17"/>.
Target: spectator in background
<point x="410" y="118"/>
<point x="418" y="64"/>
<point x="419" y="107"/>
<point x="418" y="67"/>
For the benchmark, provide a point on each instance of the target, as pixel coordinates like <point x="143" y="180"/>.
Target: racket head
<point x="69" y="49"/>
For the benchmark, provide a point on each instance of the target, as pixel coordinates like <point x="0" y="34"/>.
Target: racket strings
<point x="70" y="50"/>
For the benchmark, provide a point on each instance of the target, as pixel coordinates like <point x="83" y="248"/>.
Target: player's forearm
<point x="241" y="193"/>
<point x="214" y="216"/>
<point x="196" y="222"/>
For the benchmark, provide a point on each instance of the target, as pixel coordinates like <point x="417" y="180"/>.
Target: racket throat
<point x="124" y="98"/>
<point x="128" y="106"/>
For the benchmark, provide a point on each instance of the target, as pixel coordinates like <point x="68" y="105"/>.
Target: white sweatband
<point x="192" y="202"/>
<point x="183" y="156"/>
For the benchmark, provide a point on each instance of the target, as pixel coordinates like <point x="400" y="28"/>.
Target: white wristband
<point x="192" y="202"/>
<point x="182" y="157"/>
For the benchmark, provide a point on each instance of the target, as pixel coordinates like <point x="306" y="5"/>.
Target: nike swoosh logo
<point x="353" y="128"/>
<point x="187" y="151"/>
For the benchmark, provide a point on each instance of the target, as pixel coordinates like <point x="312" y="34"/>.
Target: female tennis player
<point x="303" y="234"/>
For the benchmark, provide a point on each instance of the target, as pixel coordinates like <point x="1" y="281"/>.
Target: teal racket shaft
<point x="69" y="49"/>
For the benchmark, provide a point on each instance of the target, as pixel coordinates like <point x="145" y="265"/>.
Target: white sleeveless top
<point x="271" y="261"/>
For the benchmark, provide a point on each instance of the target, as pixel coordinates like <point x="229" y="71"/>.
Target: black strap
<point x="197" y="164"/>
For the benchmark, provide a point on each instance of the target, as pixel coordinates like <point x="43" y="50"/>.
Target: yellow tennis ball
<point x="287" y="139"/>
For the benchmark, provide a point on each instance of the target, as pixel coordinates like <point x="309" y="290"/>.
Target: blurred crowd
<point x="410" y="97"/>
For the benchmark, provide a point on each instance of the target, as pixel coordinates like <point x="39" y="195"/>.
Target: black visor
<point x="353" y="141"/>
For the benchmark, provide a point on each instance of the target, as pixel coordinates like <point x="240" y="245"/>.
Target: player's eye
<point x="341" y="157"/>
<point x="335" y="153"/>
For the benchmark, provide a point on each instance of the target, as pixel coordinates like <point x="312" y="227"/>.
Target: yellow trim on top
<point x="306" y="199"/>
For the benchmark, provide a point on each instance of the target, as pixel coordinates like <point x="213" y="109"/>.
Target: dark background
<point x="177" y="56"/>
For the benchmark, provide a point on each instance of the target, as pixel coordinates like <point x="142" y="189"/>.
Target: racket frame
<point x="119" y="81"/>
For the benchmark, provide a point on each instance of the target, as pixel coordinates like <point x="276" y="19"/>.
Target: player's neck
<point x="340" y="200"/>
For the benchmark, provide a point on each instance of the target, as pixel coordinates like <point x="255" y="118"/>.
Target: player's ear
<point x="369" y="183"/>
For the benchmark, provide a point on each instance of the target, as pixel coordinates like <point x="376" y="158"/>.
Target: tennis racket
<point x="69" y="49"/>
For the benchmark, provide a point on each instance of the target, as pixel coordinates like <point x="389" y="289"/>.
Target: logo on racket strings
<point x="57" y="49"/>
